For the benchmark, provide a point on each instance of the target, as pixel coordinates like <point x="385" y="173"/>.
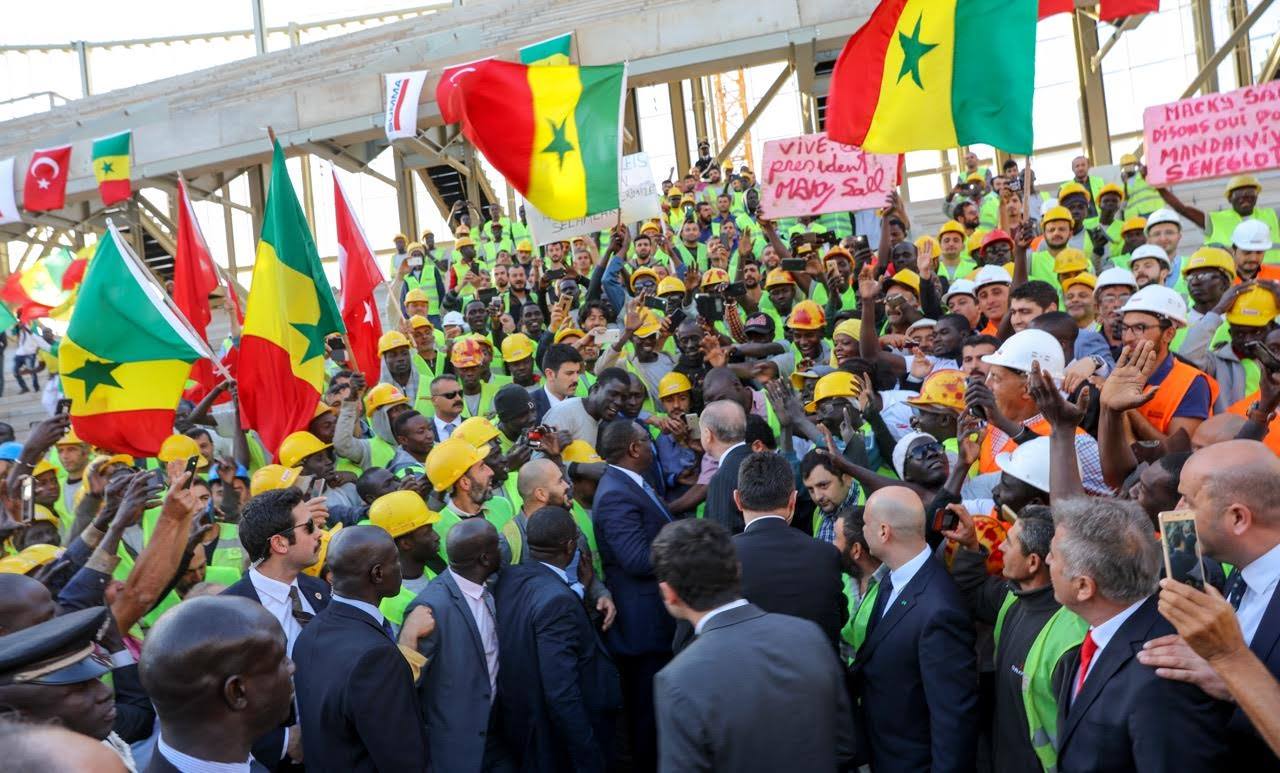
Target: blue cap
<point x="241" y="472"/>
<point x="10" y="451"/>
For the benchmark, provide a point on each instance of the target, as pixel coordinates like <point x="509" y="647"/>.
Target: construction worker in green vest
<point x="989" y="205"/>
<point x="405" y="516"/>
<point x="1242" y="197"/>
<point x="1080" y="167"/>
<point x="468" y="360"/>
<point x="1140" y="199"/>
<point x="485" y="436"/>
<point x="422" y="283"/>
<point x="381" y="405"/>
<point x="1075" y="198"/>
<point x="1104" y="227"/>
<point x="1057" y="224"/>
<point x="808" y="224"/>
<point x="457" y="469"/>
<point x="863" y="573"/>
<point x="1032" y="632"/>
<point x="428" y="349"/>
<point x="953" y="261"/>
<point x="687" y="249"/>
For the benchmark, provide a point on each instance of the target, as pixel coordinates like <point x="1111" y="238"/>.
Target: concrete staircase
<point x="20" y="410"/>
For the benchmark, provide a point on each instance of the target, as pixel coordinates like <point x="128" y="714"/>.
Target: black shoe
<point x="23" y="391"/>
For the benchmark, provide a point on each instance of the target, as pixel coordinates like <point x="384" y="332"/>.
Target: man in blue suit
<point x="1234" y="488"/>
<point x="628" y="515"/>
<point x="1115" y="715"/>
<point x="917" y="660"/>
<point x="560" y="691"/>
<point x="457" y="689"/>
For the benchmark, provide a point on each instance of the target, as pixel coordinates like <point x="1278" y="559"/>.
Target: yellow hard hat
<point x="1135" y="223"/>
<point x="463" y="241"/>
<point x="478" y="431"/>
<point x="416" y="295"/>
<point x="1070" y="259"/>
<point x="70" y="439"/>
<point x="807" y="315"/>
<point x="1072" y="188"/>
<point x="670" y="284"/>
<point x="673" y="384"/>
<point x="686" y="199"/>
<point x="579" y="452"/>
<point x="838" y="384"/>
<point x="124" y="459"/>
<point x="951" y="227"/>
<point x="942" y="388"/>
<point x="272" y="477"/>
<point x="43" y="513"/>
<point x="649" y="324"/>
<point x="44" y="465"/>
<point x="467" y="353"/>
<point x="849" y="327"/>
<point x="524" y="245"/>
<point x="419" y="246"/>
<point x="714" y="276"/>
<point x="323" y="553"/>
<point x="907" y="278"/>
<point x="973" y="243"/>
<point x="516" y="347"/>
<point x="426" y="233"/>
<point x="1211" y="257"/>
<point x="1255" y="307"/>
<point x="381" y="396"/>
<point x="1057" y="213"/>
<point x="179" y="448"/>
<point x="321" y="409"/>
<point x="298" y="446"/>
<point x="778" y="276"/>
<point x="417" y="321"/>
<point x="1127" y="159"/>
<point x="1087" y="279"/>
<point x="651" y="225"/>
<point x="401" y="512"/>
<point x="839" y="252"/>
<point x="393" y="339"/>
<point x="31" y="558"/>
<point x="920" y="243"/>
<point x="567" y="332"/>
<point x="974" y="177"/>
<point x="450" y="460"/>
<point x="643" y="272"/>
<point x="400" y="236"/>
<point x="1111" y="188"/>
<point x="1241" y="181"/>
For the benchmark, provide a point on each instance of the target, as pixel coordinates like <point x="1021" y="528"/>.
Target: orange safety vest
<point x="992" y="329"/>
<point x="1266" y="272"/>
<point x="1272" y="439"/>
<point x="1169" y="394"/>
<point x="987" y="454"/>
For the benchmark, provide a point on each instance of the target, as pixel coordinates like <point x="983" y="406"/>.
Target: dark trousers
<point x="28" y="361"/>
<point x="637" y="672"/>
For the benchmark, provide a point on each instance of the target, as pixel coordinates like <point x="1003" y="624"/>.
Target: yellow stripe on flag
<point x="556" y="169"/>
<point x="910" y="114"/>
<point x="294" y="297"/>
<point x="108" y="168"/>
<point x="115" y="387"/>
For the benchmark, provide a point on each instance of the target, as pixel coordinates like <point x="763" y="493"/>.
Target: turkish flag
<point x="1050" y="7"/>
<point x="1110" y="10"/>
<point x="46" y="185"/>
<point x="194" y="278"/>
<point x="359" y="276"/>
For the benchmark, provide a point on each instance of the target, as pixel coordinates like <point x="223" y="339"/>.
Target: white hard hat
<point x="1116" y="277"/>
<point x="453" y="318"/>
<point x="991" y="275"/>
<point x="1028" y="346"/>
<point x="1252" y="235"/>
<point x="1159" y="300"/>
<point x="919" y="323"/>
<point x="1029" y="462"/>
<point x="960" y="287"/>
<point x="1163" y="215"/>
<point x="1150" y="251"/>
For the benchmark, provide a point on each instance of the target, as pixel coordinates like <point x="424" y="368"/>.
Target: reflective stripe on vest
<point x="1064" y="631"/>
<point x="1009" y="598"/>
<point x="1169" y="394"/>
<point x="1140" y="198"/>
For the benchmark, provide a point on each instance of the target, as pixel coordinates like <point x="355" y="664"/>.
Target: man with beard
<point x="1208" y="273"/>
<point x="404" y="515"/>
<point x="1249" y="310"/>
<point x="518" y="294"/>
<point x="1059" y="231"/>
<point x="396" y="351"/>
<point x="692" y="363"/>
<point x="581" y="416"/>
<point x="457" y="469"/>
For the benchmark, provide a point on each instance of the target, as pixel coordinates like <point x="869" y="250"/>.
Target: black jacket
<point x="720" y="505"/>
<point x="792" y="573"/>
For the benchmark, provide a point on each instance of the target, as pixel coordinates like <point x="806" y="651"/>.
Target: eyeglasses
<point x="924" y="450"/>
<point x="1139" y="328"/>
<point x="308" y="524"/>
<point x="450" y="395"/>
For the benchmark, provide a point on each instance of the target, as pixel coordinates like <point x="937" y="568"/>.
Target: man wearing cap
<point x="1249" y="311"/>
<point x="418" y="280"/>
<point x="396" y="351"/>
<point x="381" y="404"/>
<point x="780" y="291"/>
<point x="1242" y="193"/>
<point x="404" y="515"/>
<point x="953" y="261"/>
<point x="642" y="329"/>
<point x="1078" y="300"/>
<point x="517" y="355"/>
<point x="991" y="286"/>
<point x="73" y="457"/>
<point x="1164" y="230"/>
<point x="428" y="352"/>
<point x="1206" y="277"/>
<point x="1251" y="243"/>
<point x="961" y="299"/>
<point x="1104" y="228"/>
<point x="1060" y="233"/>
<point x="1114" y="287"/>
<point x="1150" y="265"/>
<point x="457" y="469"/>
<point x="468" y="360"/>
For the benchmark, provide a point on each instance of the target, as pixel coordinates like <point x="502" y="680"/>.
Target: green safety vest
<point x="1113" y="233"/>
<point x="839" y="222"/>
<point x="855" y="631"/>
<point x="697" y="258"/>
<point x="121" y="573"/>
<point x="426" y="283"/>
<point x="1223" y="223"/>
<point x="963" y="268"/>
<point x="1140" y="198"/>
<point x="816" y="227"/>
<point x="488" y="389"/>
<point x="498" y="512"/>
<point x="228" y="553"/>
<point x="989" y="212"/>
<point x="1040" y="266"/>
<point x="582" y="517"/>
<point x="380" y="452"/>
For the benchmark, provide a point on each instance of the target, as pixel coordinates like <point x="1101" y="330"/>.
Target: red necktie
<point x="1087" y="650"/>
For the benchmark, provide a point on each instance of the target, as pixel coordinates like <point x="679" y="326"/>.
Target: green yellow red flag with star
<point x="111" y="167"/>
<point x="126" y="354"/>
<point x="290" y="312"/>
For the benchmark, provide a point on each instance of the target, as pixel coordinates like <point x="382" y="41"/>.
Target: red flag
<point x="1050" y="7"/>
<point x="359" y="276"/>
<point x="46" y="185"/>
<point x="194" y="277"/>
<point x="1110" y="10"/>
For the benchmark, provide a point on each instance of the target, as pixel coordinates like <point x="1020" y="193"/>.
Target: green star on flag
<point x="315" y="339"/>
<point x="913" y="49"/>
<point x="559" y="142"/>
<point x="95" y="373"/>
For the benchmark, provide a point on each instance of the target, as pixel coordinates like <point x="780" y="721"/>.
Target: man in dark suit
<point x="356" y="700"/>
<point x="561" y="369"/>
<point x="917" y="659"/>
<point x="627" y="515"/>
<point x="709" y="697"/>
<point x="724" y="430"/>
<point x="1114" y="713"/>
<point x="457" y="689"/>
<point x="1234" y="488"/>
<point x="560" y="690"/>
<point x="216" y="670"/>
<point x="277" y="529"/>
<point x="783" y="569"/>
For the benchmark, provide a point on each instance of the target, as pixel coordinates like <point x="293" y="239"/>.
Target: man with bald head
<point x="1234" y="489"/>
<point x="724" y="431"/>
<point x="356" y="699"/>
<point x="216" y="670"/>
<point x="461" y="712"/>
<point x="24" y="602"/>
<point x="1218" y="428"/>
<point x="917" y="659"/>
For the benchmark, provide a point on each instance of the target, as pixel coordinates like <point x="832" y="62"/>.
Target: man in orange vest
<point x="1182" y="394"/>
<point x="1004" y="399"/>
<point x="1259" y="407"/>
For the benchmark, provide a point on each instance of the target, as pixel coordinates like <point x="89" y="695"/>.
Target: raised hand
<point x="1125" y="388"/>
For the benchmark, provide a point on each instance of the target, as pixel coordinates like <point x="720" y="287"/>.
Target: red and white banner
<point x="812" y="174"/>
<point x="8" y="204"/>
<point x="1215" y="135"/>
<point x="46" y="184"/>
<point x="360" y="276"/>
<point x="403" y="90"/>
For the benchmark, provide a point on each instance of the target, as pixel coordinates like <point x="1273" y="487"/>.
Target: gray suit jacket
<point x="754" y="692"/>
<point x="454" y="686"/>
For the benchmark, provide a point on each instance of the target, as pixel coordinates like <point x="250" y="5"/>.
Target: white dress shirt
<point x="634" y="476"/>
<point x="444" y="429"/>
<point x="1103" y="634"/>
<point x="1260" y="577"/>
<point x="363" y="606"/>
<point x="727" y="451"/>
<point x="188" y="764"/>
<point x="274" y="596"/>
<point x="485" y="624"/>
<point x="697" y="629"/>
<point x="552" y="400"/>
<point x="902" y="575"/>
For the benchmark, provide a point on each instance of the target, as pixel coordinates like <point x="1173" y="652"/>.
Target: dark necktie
<point x="882" y="601"/>
<point x="388" y="630"/>
<point x="295" y="603"/>
<point x="662" y="506"/>
<point x="487" y="597"/>
<point x="1235" y="594"/>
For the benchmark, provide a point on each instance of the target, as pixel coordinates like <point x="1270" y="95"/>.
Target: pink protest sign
<point x="1217" y="135"/>
<point x="811" y="175"/>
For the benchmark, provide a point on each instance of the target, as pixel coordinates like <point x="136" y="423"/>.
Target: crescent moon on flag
<point x="453" y="76"/>
<point x="53" y="165"/>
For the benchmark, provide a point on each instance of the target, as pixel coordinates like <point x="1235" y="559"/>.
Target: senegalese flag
<point x="111" y="167"/>
<point x="126" y="354"/>
<point x="550" y="51"/>
<point x="554" y="131"/>
<point x="290" y="312"/>
<point x="937" y="74"/>
<point x="37" y="289"/>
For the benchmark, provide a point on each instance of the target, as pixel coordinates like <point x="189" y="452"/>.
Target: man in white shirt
<point x="561" y="368"/>
<point x="446" y="399"/>
<point x="581" y="416"/>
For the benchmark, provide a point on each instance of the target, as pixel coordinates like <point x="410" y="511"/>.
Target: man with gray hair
<point x="1114" y="713"/>
<point x="724" y="431"/>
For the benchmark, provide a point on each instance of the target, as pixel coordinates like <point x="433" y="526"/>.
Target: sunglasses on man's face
<point x="924" y="450"/>
<point x="450" y="395"/>
<point x="308" y="524"/>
